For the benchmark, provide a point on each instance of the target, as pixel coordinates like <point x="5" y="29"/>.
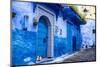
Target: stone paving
<point x="86" y="55"/>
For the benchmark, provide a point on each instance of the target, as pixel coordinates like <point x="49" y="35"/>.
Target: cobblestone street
<point x="82" y="56"/>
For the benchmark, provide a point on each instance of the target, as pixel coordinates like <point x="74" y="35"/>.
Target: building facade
<point x="43" y="30"/>
<point x="88" y="32"/>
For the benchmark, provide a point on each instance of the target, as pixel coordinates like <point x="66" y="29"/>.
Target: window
<point x="60" y="31"/>
<point x="94" y="31"/>
<point x="56" y="29"/>
<point x="24" y="22"/>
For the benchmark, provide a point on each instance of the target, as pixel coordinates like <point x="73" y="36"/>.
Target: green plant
<point x="35" y="22"/>
<point x="13" y="14"/>
<point x="75" y="9"/>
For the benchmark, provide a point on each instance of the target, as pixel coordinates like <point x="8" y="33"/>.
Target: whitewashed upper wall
<point x="22" y="6"/>
<point x="88" y="37"/>
<point x="61" y="25"/>
<point x="22" y="9"/>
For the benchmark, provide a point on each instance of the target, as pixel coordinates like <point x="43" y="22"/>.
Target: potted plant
<point x="75" y="9"/>
<point x="13" y="14"/>
<point x="35" y="22"/>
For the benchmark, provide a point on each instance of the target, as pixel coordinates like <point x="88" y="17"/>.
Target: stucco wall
<point x="61" y="24"/>
<point x="88" y="37"/>
<point x="25" y="9"/>
<point x="23" y="42"/>
<point x="23" y="46"/>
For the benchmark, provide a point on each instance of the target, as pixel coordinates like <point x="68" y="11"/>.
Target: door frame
<point x="50" y="17"/>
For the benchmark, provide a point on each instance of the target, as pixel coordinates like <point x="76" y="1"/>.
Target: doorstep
<point x="61" y="58"/>
<point x="43" y="61"/>
<point x="55" y="60"/>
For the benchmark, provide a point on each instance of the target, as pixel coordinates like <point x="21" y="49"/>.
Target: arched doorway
<point x="43" y="37"/>
<point x="50" y="17"/>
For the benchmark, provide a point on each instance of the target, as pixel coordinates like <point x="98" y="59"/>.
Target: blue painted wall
<point x="23" y="46"/>
<point x="60" y="46"/>
<point x="66" y="45"/>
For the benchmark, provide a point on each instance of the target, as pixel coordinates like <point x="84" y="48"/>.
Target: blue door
<point x="42" y="38"/>
<point x="69" y="37"/>
<point x="74" y="43"/>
